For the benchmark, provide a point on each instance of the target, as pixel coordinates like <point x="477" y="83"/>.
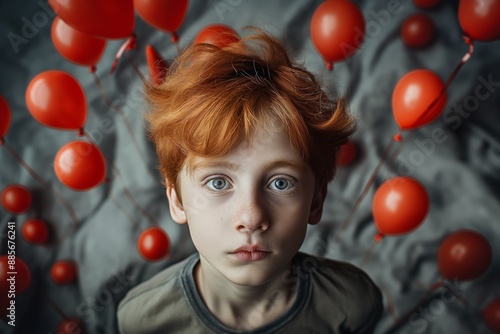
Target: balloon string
<point x="175" y="39"/>
<point x="135" y="224"/>
<point x="130" y="44"/>
<point x="368" y="255"/>
<point x="125" y="120"/>
<point x="390" y="301"/>
<point x="427" y="298"/>
<point x="456" y="294"/>
<point x="437" y="285"/>
<point x="137" y="70"/>
<point x="402" y="142"/>
<point x="46" y="185"/>
<point x="464" y="59"/>
<point x="124" y="186"/>
<point x="53" y="305"/>
<point x="365" y="190"/>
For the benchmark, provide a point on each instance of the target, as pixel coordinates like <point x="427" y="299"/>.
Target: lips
<point x="250" y="253"/>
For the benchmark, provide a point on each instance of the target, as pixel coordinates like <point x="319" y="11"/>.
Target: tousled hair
<point x="214" y="95"/>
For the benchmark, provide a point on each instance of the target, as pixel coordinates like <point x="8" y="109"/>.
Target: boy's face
<point x="248" y="210"/>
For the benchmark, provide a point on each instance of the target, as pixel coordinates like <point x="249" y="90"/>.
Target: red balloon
<point x="479" y="19"/>
<point x="153" y="244"/>
<point x="80" y="165"/>
<point x="337" y="30"/>
<point x="166" y="15"/>
<point x="413" y="95"/>
<point x="417" y="30"/>
<point x="22" y="276"/>
<point x="63" y="272"/>
<point x="76" y="46"/>
<point x="464" y="255"/>
<point x="110" y="19"/>
<point x="5" y="117"/>
<point x="57" y="100"/>
<point x="35" y="231"/>
<point x="16" y="198"/>
<point x="399" y="206"/>
<point x="348" y="153"/>
<point x="426" y="4"/>
<point x="70" y="326"/>
<point x="491" y="315"/>
<point x="158" y="67"/>
<point x="219" y="35"/>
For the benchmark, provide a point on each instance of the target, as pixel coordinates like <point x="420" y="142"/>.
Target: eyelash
<point x="291" y="183"/>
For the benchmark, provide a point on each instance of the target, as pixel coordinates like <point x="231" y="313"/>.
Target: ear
<point x="176" y="209"/>
<point x="316" y="210"/>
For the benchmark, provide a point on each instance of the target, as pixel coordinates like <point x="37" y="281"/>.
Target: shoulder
<point x="352" y="293"/>
<point x="142" y="310"/>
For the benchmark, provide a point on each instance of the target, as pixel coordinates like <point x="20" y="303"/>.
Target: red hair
<point x="212" y="96"/>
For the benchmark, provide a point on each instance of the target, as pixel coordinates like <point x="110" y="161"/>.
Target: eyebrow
<point x="234" y="167"/>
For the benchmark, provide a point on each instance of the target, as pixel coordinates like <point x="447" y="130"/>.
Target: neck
<point x="244" y="307"/>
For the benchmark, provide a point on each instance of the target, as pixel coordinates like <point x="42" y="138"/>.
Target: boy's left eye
<point x="281" y="184"/>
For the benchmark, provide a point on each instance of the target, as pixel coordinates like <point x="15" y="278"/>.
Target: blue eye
<point x="281" y="184"/>
<point x="217" y="183"/>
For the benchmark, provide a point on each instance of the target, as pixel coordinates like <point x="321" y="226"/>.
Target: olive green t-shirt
<point x="332" y="297"/>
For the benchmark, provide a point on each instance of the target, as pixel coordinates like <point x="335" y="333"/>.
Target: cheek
<point x="290" y="221"/>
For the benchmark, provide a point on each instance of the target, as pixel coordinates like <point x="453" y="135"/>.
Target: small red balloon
<point x="76" y="46"/>
<point x="5" y="117"/>
<point x="9" y="264"/>
<point x="220" y="35"/>
<point x="63" y="272"/>
<point x="70" y="326"/>
<point x="464" y="255"/>
<point x="165" y="15"/>
<point x="426" y="4"/>
<point x="16" y="198"/>
<point x="479" y="19"/>
<point x="417" y="30"/>
<point x="110" y="19"/>
<point x="337" y="30"/>
<point x="80" y="165"/>
<point x="35" y="231"/>
<point x="491" y="315"/>
<point x="399" y="206"/>
<point x="413" y="95"/>
<point x="153" y="244"/>
<point x="56" y="99"/>
<point x="158" y="67"/>
<point x="348" y="154"/>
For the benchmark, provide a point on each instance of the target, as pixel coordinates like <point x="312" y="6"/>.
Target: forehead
<point x="268" y="147"/>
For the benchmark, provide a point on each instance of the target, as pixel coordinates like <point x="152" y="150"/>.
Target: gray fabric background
<point x="461" y="174"/>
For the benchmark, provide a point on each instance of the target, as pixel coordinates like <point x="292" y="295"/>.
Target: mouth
<point x="250" y="253"/>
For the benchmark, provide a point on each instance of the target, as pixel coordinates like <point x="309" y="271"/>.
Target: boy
<point x="247" y="143"/>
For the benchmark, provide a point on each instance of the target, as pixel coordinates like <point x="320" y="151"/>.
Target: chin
<point x="248" y="281"/>
<point x="250" y="276"/>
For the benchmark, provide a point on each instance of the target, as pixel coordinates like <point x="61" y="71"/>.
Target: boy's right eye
<point x="217" y="184"/>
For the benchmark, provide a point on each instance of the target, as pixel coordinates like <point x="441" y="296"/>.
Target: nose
<point x="251" y="213"/>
